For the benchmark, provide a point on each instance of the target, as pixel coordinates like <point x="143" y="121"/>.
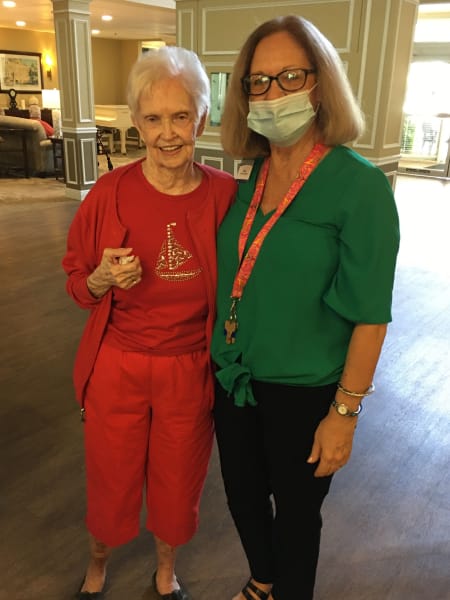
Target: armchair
<point x="24" y="145"/>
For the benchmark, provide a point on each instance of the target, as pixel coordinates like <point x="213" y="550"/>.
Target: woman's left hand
<point x="333" y="438"/>
<point x="333" y="442"/>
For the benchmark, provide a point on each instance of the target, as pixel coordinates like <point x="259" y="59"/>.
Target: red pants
<point x="148" y="421"/>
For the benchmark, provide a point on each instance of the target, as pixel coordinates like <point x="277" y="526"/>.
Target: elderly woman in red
<point x="141" y="258"/>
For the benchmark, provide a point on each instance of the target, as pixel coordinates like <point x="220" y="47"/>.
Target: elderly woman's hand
<point x="117" y="268"/>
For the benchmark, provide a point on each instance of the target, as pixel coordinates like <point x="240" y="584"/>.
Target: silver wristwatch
<point x="344" y="411"/>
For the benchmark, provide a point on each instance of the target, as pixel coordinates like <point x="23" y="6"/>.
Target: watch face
<point x="342" y="409"/>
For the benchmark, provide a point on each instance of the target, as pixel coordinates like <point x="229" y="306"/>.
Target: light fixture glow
<point x="8" y="3"/>
<point x="95" y="31"/>
<point x="48" y="61"/>
<point x="107" y="18"/>
<point x="20" y="23"/>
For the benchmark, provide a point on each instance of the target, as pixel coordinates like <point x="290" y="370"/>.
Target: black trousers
<point x="273" y="496"/>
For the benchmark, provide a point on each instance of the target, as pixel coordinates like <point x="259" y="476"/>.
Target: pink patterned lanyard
<point x="247" y="263"/>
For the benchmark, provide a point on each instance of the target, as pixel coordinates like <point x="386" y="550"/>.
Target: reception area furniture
<point x="24" y="148"/>
<point x="58" y="157"/>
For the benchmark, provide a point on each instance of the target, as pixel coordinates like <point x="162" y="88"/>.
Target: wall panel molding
<point x="82" y="35"/>
<point x="370" y="145"/>
<point x="70" y="155"/>
<point x="212" y="161"/>
<point x="88" y="148"/>
<point x="217" y="39"/>
<point x="186" y="29"/>
<point x="372" y="38"/>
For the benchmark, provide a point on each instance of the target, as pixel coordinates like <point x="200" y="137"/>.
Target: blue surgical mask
<point x="282" y="121"/>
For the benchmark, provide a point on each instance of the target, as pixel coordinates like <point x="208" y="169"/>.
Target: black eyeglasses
<point x="290" y="80"/>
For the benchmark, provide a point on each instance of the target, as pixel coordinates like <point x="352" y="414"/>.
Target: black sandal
<point x="251" y="587"/>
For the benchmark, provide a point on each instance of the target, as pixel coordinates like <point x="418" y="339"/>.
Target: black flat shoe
<point x="89" y="595"/>
<point x="180" y="594"/>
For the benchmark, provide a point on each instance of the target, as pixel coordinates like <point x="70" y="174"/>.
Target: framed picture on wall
<point x="21" y="71"/>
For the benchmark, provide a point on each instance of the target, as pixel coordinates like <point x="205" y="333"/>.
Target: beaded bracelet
<point x="369" y="390"/>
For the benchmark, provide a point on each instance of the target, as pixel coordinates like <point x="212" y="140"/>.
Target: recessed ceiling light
<point x="8" y="3"/>
<point x="95" y="31"/>
<point x="20" y="23"/>
<point x="106" y="18"/>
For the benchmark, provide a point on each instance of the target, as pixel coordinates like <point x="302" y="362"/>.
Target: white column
<point x="73" y="46"/>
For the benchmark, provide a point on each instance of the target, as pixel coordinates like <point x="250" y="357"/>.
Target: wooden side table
<point x="58" y="157"/>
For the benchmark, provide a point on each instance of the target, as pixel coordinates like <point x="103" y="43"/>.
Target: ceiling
<point x="132" y="20"/>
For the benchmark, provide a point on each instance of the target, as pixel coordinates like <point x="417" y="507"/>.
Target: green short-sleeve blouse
<point x="327" y="264"/>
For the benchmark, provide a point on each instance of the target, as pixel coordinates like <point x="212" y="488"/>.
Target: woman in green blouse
<point x="306" y="260"/>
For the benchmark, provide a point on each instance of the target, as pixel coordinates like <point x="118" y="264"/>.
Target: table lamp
<point x="51" y="99"/>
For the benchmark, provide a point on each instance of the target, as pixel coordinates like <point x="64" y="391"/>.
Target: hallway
<point x="387" y="518"/>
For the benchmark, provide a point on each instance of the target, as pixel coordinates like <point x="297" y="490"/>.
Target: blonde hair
<point x="168" y="62"/>
<point x="339" y="118"/>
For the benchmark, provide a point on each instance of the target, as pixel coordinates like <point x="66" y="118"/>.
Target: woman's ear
<point x="201" y="125"/>
<point x="136" y="124"/>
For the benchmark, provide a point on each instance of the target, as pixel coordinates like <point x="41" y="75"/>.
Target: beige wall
<point x="30" y="41"/>
<point x="111" y="62"/>
<point x="131" y="50"/>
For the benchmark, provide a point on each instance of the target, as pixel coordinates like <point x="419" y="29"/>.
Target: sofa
<point x="39" y="148"/>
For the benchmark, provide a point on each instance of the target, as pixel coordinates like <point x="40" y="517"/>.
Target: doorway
<point x="425" y="141"/>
